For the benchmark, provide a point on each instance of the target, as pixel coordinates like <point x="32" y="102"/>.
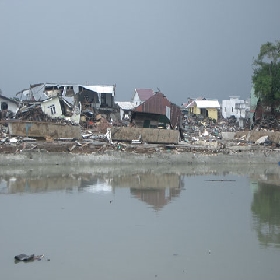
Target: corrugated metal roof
<point x="159" y="104"/>
<point x="126" y="105"/>
<point x="156" y="104"/>
<point x="144" y="94"/>
<point x="205" y="104"/>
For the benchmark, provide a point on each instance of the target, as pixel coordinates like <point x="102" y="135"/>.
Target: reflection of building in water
<point x="272" y="178"/>
<point x="39" y="184"/>
<point x="259" y="178"/>
<point x="97" y="185"/>
<point x="156" y="189"/>
<point x="55" y="182"/>
<point x="157" y="198"/>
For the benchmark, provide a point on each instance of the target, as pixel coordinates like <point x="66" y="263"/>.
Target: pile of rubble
<point x="32" y="113"/>
<point x="197" y="128"/>
<point x="89" y="145"/>
<point x="6" y="114"/>
<point x="198" y="133"/>
<point x="267" y="123"/>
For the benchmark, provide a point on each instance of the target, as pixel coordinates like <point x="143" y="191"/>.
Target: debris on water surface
<point x="28" y="258"/>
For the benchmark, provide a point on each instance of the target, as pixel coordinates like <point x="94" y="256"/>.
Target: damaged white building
<point x="68" y="100"/>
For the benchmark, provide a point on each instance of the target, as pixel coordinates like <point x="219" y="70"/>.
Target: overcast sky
<point x="186" y="48"/>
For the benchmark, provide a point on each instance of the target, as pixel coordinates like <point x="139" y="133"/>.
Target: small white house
<point x="234" y="107"/>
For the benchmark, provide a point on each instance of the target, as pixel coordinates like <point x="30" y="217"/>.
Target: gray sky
<point x="186" y="48"/>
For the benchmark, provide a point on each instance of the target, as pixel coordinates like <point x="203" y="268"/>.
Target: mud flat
<point x="232" y="156"/>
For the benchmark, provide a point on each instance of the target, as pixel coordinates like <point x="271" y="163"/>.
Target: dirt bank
<point x="88" y="153"/>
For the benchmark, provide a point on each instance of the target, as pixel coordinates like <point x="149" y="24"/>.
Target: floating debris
<point x="221" y="180"/>
<point x="28" y="258"/>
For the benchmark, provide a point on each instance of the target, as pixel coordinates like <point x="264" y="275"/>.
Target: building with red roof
<point x="141" y="95"/>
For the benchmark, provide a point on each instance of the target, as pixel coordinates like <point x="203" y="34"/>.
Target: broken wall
<point x="44" y="129"/>
<point x="52" y="107"/>
<point x="148" y="135"/>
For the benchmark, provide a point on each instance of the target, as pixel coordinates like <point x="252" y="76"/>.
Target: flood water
<point x="206" y="222"/>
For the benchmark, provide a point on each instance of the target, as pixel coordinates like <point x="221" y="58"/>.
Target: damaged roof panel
<point x="38" y="91"/>
<point x="126" y="105"/>
<point x="101" y="89"/>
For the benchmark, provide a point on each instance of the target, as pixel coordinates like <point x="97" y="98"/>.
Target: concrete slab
<point x="148" y="135"/>
<point x="44" y="129"/>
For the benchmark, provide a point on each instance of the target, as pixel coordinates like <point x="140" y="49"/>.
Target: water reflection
<point x="156" y="187"/>
<point x="13" y="185"/>
<point x="166" y="182"/>
<point x="266" y="212"/>
<point x="194" y="214"/>
<point x="157" y="199"/>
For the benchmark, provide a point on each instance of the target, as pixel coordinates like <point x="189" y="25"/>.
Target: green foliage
<point x="266" y="74"/>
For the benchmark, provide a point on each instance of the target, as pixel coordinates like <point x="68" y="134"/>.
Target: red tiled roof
<point x="144" y="94"/>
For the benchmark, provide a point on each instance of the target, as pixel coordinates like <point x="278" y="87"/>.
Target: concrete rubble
<point x="227" y="133"/>
<point x="200" y="137"/>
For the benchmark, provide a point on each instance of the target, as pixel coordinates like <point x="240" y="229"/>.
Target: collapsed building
<point x="66" y="112"/>
<point x="68" y="102"/>
<point x="42" y="105"/>
<point x="50" y="110"/>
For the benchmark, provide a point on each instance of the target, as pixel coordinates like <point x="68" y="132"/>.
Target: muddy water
<point x="195" y="222"/>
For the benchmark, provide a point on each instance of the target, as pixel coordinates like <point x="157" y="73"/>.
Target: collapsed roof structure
<point x="67" y="100"/>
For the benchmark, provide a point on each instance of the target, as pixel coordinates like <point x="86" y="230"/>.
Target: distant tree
<point x="0" y="91"/>
<point x="266" y="75"/>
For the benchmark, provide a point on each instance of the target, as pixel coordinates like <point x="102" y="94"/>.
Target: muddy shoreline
<point x="79" y="154"/>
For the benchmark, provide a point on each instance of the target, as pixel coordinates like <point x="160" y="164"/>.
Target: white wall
<point x="136" y="100"/>
<point x="229" y="108"/>
<point x="11" y="105"/>
<point x="52" y="108"/>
